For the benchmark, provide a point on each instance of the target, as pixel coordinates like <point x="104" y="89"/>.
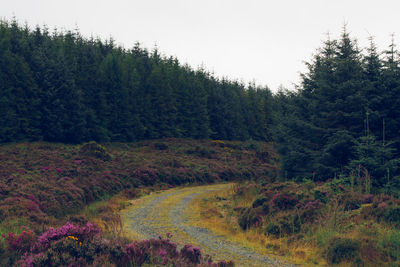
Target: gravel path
<point x="161" y="213"/>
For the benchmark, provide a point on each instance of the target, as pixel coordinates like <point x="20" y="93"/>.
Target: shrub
<point x="148" y="176"/>
<point x="258" y="202"/>
<point x="86" y="232"/>
<point x="321" y="196"/>
<point x="310" y="210"/>
<point x="249" y="218"/>
<point x="93" y="149"/>
<point x="201" y="151"/>
<point x="368" y="198"/>
<point x="342" y="249"/>
<point x="161" y="146"/>
<point x="263" y="156"/>
<point x="130" y="193"/>
<point x="289" y="224"/>
<point x="392" y="215"/>
<point x="2" y="215"/>
<point x="72" y="245"/>
<point x="219" y="143"/>
<point x="369" y="252"/>
<point x="265" y="208"/>
<point x="223" y="264"/>
<point x="77" y="219"/>
<point x="352" y="204"/>
<point x="273" y="228"/>
<point x="236" y="146"/>
<point x="389" y="243"/>
<point x="191" y="253"/>
<point x="19" y="243"/>
<point x="251" y="145"/>
<point x="284" y="201"/>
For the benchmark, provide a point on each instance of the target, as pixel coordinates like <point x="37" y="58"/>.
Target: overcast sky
<point x="250" y="40"/>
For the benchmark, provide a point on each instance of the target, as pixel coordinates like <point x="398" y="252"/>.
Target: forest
<point x="62" y="87"/>
<point x="343" y="121"/>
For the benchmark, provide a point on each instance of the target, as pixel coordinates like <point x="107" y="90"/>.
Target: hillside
<point x="44" y="184"/>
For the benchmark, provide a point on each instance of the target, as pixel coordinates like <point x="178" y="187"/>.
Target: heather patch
<point x="46" y="184"/>
<point x="74" y="245"/>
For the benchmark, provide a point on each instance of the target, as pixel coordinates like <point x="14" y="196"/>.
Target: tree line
<point x="343" y="121"/>
<point x="62" y="87"/>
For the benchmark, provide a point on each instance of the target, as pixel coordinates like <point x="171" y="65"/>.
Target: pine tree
<point x="374" y="165"/>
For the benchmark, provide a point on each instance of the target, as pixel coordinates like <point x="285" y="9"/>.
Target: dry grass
<point x="217" y="216"/>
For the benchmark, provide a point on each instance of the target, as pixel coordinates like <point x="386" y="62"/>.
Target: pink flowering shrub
<point x="87" y="232"/>
<point x="20" y="243"/>
<point x="148" y="175"/>
<point x="191" y="253"/>
<point x="284" y="201"/>
<point x="73" y="245"/>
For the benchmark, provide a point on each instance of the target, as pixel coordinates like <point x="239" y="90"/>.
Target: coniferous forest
<point x="314" y="171"/>
<point x="343" y="121"/>
<point x="62" y="87"/>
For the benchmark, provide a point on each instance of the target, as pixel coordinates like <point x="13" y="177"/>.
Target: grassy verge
<point x="308" y="224"/>
<point x="215" y="211"/>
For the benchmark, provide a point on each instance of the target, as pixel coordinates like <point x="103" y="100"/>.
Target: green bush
<point x="342" y="249"/>
<point x="289" y="224"/>
<point x="389" y="243"/>
<point x="273" y="229"/>
<point x="321" y="196"/>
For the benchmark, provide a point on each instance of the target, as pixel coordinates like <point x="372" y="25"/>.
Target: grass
<point x="223" y="222"/>
<point x="15" y="225"/>
<point x="370" y="229"/>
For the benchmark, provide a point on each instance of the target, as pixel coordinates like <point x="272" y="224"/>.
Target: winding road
<point x="166" y="212"/>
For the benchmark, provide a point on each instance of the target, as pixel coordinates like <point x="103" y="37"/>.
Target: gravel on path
<point x="164" y="212"/>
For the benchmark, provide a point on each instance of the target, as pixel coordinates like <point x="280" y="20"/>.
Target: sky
<point x="261" y="41"/>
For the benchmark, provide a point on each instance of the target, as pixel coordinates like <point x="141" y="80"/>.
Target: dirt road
<point x="165" y="212"/>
